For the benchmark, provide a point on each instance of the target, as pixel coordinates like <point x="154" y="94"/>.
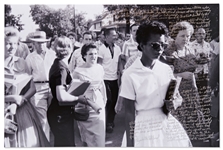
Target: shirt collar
<point x="106" y="44"/>
<point x="14" y="59"/>
<point x="138" y="64"/>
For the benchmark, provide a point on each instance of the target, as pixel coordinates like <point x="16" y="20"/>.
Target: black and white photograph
<point x="111" y="75"/>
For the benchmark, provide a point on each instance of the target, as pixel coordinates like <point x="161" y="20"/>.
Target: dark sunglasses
<point x="157" y="45"/>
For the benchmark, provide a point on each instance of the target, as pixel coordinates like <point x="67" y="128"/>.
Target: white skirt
<point x="154" y="129"/>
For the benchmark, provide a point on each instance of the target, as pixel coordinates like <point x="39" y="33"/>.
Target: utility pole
<point x="74" y="21"/>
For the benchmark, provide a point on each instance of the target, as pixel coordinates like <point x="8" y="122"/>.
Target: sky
<point x="30" y="26"/>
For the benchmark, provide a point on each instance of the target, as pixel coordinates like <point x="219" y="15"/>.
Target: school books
<point x="173" y="88"/>
<point x="76" y="88"/>
<point x="15" y="83"/>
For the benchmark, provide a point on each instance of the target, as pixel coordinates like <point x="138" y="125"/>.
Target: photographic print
<point x="142" y="75"/>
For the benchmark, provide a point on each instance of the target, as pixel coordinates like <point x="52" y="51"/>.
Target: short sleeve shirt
<point x="145" y="86"/>
<point x="59" y="75"/>
<point x="110" y="64"/>
<point x="130" y="48"/>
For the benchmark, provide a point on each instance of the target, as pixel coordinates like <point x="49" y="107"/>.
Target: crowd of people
<point x="131" y="71"/>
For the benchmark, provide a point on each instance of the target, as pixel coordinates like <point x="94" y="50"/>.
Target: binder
<point x="76" y="88"/>
<point x="173" y="88"/>
<point x="15" y="83"/>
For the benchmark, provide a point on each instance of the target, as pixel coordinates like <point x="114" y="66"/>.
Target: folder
<point x="173" y="88"/>
<point x="76" y="88"/>
<point x="15" y="83"/>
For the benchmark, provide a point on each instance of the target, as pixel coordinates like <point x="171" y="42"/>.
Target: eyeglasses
<point x="157" y="45"/>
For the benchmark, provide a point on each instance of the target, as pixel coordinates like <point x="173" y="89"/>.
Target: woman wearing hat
<point x="29" y="132"/>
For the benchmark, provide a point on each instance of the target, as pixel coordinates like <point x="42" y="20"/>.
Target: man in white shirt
<point x="202" y="50"/>
<point x="203" y="55"/>
<point x="215" y="46"/>
<point x="101" y="38"/>
<point x="76" y="58"/>
<point x="39" y="63"/>
<point x="108" y="57"/>
<point x="72" y="36"/>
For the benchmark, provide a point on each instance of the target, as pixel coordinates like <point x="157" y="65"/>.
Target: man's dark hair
<point x="89" y="33"/>
<point x="145" y="31"/>
<point x="72" y="34"/>
<point x="135" y="24"/>
<point x="107" y="31"/>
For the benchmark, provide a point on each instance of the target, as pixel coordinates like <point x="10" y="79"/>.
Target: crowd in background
<point x="131" y="71"/>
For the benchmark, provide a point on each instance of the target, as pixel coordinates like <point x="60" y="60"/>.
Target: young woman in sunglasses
<point x="144" y="86"/>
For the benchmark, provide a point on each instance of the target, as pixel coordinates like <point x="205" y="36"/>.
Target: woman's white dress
<point x="92" y="131"/>
<point x="148" y="88"/>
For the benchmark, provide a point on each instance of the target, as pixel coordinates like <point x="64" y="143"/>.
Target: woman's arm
<point x="19" y="99"/>
<point x="31" y="91"/>
<point x="64" y="96"/>
<point x="129" y="121"/>
<point x="188" y="76"/>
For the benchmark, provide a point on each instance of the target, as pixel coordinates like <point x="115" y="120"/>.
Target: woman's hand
<point x="82" y="99"/>
<point x="175" y="102"/>
<point x="10" y="126"/>
<point x="119" y="105"/>
<point x="187" y="75"/>
<point x="11" y="109"/>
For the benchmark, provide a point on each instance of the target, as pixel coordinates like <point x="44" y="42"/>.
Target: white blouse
<point x="145" y="86"/>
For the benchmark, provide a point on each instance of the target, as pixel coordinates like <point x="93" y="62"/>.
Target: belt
<point x="41" y="81"/>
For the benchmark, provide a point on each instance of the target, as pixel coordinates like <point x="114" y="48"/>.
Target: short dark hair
<point x="107" y="31"/>
<point x="85" y="48"/>
<point x="147" y="29"/>
<point x="72" y="34"/>
<point x="52" y="40"/>
<point x="11" y="31"/>
<point x="135" y="24"/>
<point x="102" y="31"/>
<point x="121" y="36"/>
<point x="89" y="33"/>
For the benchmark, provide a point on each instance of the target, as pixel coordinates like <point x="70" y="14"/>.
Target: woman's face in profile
<point x="92" y="56"/>
<point x="183" y="37"/>
<point x="11" y="45"/>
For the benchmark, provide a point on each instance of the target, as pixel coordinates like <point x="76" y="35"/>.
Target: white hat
<point x="39" y="36"/>
<point x="27" y="40"/>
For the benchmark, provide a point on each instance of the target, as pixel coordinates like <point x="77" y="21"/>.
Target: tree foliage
<point x="122" y="12"/>
<point x="170" y="14"/>
<point x="12" y="20"/>
<point x="58" y="22"/>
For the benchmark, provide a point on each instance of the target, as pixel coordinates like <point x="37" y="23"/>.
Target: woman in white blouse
<point x="144" y="86"/>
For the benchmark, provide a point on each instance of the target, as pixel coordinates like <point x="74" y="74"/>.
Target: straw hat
<point x="39" y="36"/>
<point x="27" y="40"/>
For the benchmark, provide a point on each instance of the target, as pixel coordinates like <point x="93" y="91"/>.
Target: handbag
<point x="81" y="113"/>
